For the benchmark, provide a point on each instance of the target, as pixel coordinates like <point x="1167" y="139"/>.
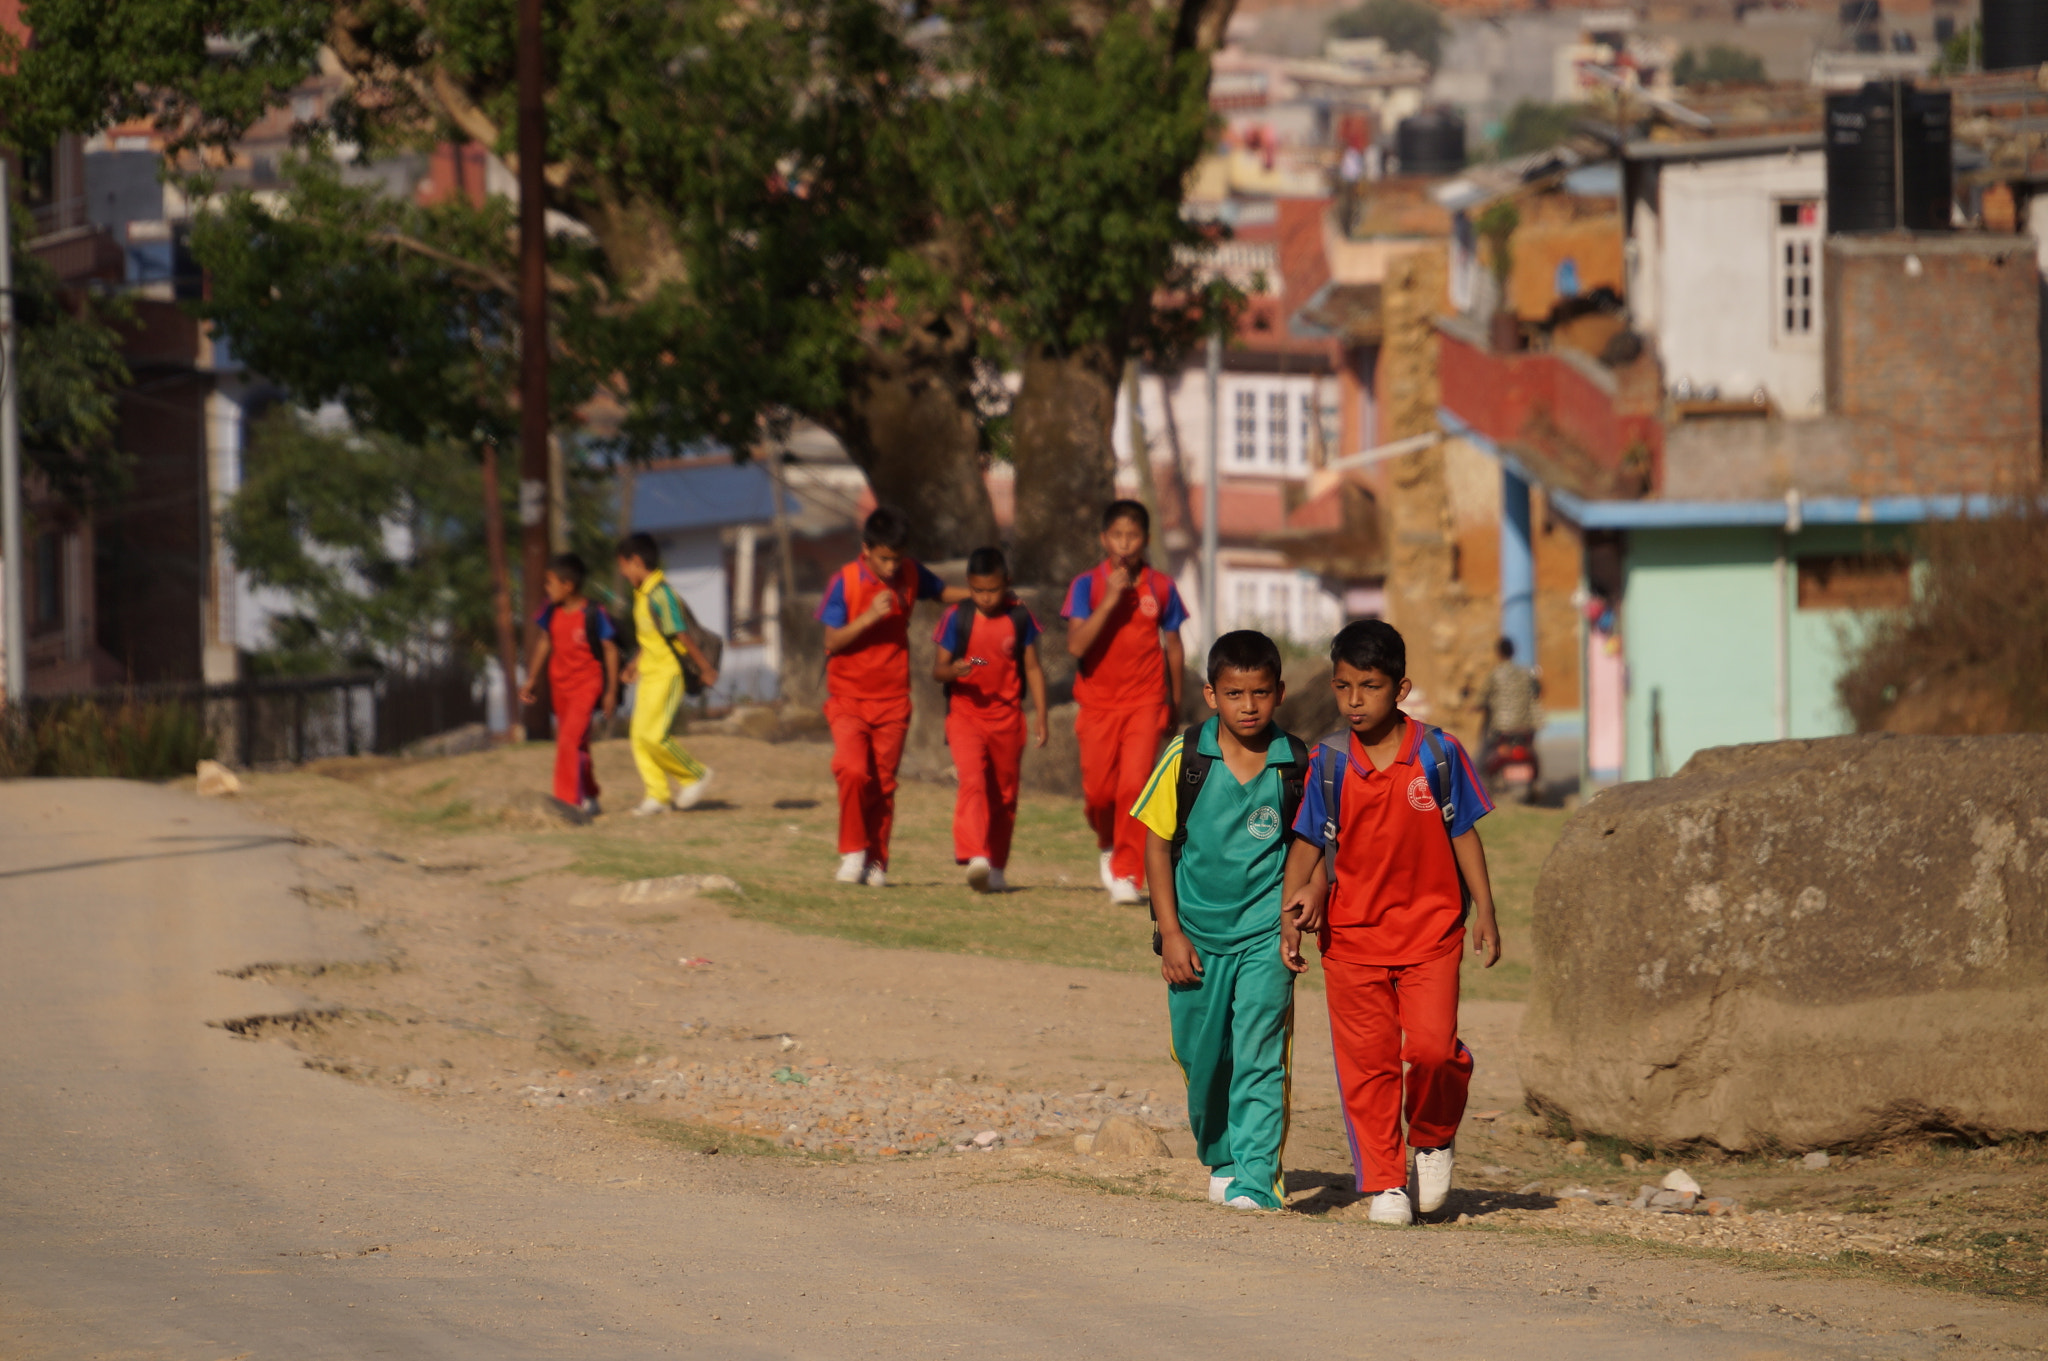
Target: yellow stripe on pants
<point x="656" y="700"/>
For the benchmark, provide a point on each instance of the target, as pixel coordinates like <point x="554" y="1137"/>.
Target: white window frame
<point x="1796" y="276"/>
<point x="1270" y="434"/>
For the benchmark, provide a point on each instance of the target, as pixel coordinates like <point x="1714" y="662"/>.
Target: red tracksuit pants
<point x="575" y="707"/>
<point x="867" y="746"/>
<point x="1119" y="747"/>
<point x="1380" y="1018"/>
<point x="988" y="752"/>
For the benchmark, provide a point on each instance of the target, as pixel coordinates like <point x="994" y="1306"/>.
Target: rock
<point x="673" y="889"/>
<point x="216" y="781"/>
<point x="1529" y="1188"/>
<point x="1119" y="1136"/>
<point x="1629" y="1162"/>
<point x="988" y="1138"/>
<point x="1575" y="1149"/>
<point x="1787" y="944"/>
<point x="1816" y="1161"/>
<point x="421" y="1078"/>
<point x="1084" y="1143"/>
<point x="1722" y="1206"/>
<point x="1678" y="1179"/>
<point x="1644" y="1194"/>
<point x="1574" y="1203"/>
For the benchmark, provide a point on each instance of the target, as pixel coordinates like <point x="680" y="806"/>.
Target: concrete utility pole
<point x="1210" y="586"/>
<point x="13" y="555"/>
<point x="533" y="314"/>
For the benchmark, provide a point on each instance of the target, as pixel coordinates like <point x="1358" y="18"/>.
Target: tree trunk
<point x="909" y="424"/>
<point x="1066" y="462"/>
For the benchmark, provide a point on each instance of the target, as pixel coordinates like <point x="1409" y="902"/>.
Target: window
<point x="1875" y="581"/>
<point x="1247" y="427"/>
<point x="1276" y="429"/>
<point x="49" y="578"/>
<point x="1245" y="596"/>
<point x="1798" y="275"/>
<point x="1305" y="405"/>
<point x="1279" y="608"/>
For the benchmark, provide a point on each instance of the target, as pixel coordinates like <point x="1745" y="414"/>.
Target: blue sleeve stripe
<point x="1079" y="597"/>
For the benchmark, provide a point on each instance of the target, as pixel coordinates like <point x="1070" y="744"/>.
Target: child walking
<point x="1391" y="807"/>
<point x="988" y="658"/>
<point x="866" y="613"/>
<point x="582" y="655"/>
<point x="1216" y="813"/>
<point x="661" y="629"/>
<point x="1127" y="686"/>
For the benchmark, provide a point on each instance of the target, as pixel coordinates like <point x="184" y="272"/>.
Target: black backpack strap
<point x="1293" y="783"/>
<point x="1194" y="771"/>
<point x="1020" y="623"/>
<point x="1331" y="774"/>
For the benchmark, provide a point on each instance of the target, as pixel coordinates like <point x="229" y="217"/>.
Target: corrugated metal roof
<point x="710" y="496"/>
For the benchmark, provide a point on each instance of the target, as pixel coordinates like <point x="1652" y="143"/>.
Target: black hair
<point x="1244" y="650"/>
<point x="569" y="568"/>
<point x="886" y="528"/>
<point x="1371" y="645"/>
<point x="1506" y="648"/>
<point x="643" y="547"/>
<point x="986" y="562"/>
<point x="1133" y="511"/>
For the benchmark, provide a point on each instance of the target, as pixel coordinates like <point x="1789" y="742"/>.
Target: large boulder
<point x="1799" y="945"/>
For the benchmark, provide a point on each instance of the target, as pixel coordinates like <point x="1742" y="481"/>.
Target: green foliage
<point x="80" y="739"/>
<point x="379" y="541"/>
<point x="1718" y="65"/>
<point x="1964" y="51"/>
<point x="1531" y="127"/>
<point x="1406" y="25"/>
<point x="1496" y="226"/>
<point x="71" y="369"/>
<point x="1059" y="162"/>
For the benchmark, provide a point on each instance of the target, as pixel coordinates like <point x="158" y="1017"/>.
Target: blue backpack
<point x="1436" y="770"/>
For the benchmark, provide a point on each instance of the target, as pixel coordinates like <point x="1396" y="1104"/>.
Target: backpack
<point x="1194" y="773"/>
<point x="960" y="628"/>
<point x="1436" y="770"/>
<point x="698" y="641"/>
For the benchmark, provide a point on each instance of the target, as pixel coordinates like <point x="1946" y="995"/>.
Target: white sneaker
<point x="649" y="807"/>
<point x="996" y="882"/>
<point x="1432" y="1178"/>
<point x="1391" y="1207"/>
<point x="1108" y="879"/>
<point x="1217" y="1186"/>
<point x="1243" y="1203"/>
<point x="1124" y="891"/>
<point x="978" y="872"/>
<point x="875" y="877"/>
<point x="852" y="866"/>
<point x="689" y="794"/>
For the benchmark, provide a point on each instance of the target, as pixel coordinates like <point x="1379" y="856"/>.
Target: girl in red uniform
<point x="582" y="655"/>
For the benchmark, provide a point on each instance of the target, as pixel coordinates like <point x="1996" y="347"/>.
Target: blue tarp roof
<point x="707" y="497"/>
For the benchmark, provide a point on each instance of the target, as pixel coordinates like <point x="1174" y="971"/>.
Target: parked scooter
<point x="1511" y="767"/>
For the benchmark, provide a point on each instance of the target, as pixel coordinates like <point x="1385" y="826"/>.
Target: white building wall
<point x="1715" y="278"/>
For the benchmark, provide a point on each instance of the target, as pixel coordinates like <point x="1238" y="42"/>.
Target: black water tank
<point x="1431" y="142"/>
<point x="1888" y="159"/>
<point x="2015" y="34"/>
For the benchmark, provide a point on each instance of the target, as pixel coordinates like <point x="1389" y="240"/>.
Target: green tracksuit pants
<point x="1233" y="1037"/>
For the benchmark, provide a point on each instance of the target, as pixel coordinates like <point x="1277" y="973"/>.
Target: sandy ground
<point x="175" y="1189"/>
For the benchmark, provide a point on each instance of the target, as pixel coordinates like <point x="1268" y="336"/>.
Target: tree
<point x="1531" y="127"/>
<point x="1720" y="65"/>
<point x="378" y="540"/>
<point x="71" y="375"/>
<point x="1060" y="164"/>
<point x="1404" y="25"/>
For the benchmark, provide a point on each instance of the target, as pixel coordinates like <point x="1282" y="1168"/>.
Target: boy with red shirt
<point x="1127" y="686"/>
<point x="1399" y="800"/>
<point x="866" y="613"/>
<point x="582" y="654"/>
<point x="988" y="657"/>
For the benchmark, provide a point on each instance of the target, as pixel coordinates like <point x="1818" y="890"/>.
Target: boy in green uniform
<point x="1217" y="812"/>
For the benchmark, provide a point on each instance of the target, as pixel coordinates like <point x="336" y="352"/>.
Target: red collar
<point x="1411" y="735"/>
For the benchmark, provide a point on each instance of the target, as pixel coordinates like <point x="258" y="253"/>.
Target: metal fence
<point x="292" y="719"/>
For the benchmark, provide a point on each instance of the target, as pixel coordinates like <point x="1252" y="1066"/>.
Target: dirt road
<point x="171" y="1190"/>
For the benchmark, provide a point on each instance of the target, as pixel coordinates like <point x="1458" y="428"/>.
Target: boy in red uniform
<point x="866" y="613"/>
<point x="582" y="655"/>
<point x="1127" y="687"/>
<point x="988" y="658"/>
<point x="1398" y="799"/>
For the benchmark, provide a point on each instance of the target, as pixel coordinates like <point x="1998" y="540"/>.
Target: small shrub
<point x="1970" y="654"/>
<point x="131" y="740"/>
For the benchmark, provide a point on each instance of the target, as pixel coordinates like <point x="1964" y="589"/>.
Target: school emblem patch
<point x="1148" y="604"/>
<point x="1418" y="795"/>
<point x="1264" y="823"/>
